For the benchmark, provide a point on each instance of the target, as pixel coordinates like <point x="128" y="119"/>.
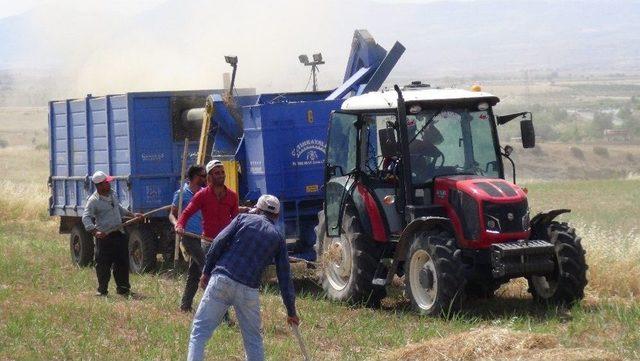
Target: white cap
<point x="100" y="176"/>
<point x="212" y="164"/>
<point x="268" y="203"/>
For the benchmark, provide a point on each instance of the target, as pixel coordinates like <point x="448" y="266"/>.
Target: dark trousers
<point x="113" y="251"/>
<point x="195" y="270"/>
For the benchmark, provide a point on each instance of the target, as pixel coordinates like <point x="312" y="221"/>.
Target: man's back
<point x="245" y="248"/>
<point x="251" y="247"/>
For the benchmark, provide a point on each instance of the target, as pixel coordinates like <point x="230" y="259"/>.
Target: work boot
<point x="127" y="294"/>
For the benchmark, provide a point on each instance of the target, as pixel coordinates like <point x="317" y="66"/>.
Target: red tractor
<point x="415" y="186"/>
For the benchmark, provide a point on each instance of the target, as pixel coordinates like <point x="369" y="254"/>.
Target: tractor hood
<point x="481" y="188"/>
<point x="483" y="210"/>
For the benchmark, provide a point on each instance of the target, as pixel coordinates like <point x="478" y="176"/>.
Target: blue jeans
<point x="221" y="293"/>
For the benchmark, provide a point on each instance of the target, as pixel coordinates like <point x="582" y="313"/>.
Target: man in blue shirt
<point x="233" y="269"/>
<point x="196" y="176"/>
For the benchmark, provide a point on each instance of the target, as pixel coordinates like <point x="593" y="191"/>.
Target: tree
<point x="600" y="122"/>
<point x="624" y="113"/>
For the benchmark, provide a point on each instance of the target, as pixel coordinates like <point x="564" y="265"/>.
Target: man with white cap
<point x="233" y="269"/>
<point x="217" y="203"/>
<point x="103" y="213"/>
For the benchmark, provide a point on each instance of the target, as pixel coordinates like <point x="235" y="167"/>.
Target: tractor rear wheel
<point x="566" y="285"/>
<point x="348" y="263"/>
<point x="81" y="246"/>
<point x="434" y="277"/>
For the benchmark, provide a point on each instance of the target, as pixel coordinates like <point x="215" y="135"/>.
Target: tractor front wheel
<point x="348" y="263"/>
<point x="566" y="285"/>
<point x="434" y="276"/>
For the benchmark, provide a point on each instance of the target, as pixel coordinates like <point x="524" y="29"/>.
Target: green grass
<point x="48" y="311"/>
<point x="611" y="204"/>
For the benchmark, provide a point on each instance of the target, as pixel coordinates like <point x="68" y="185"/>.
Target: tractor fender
<point x="369" y="212"/>
<point x="541" y="220"/>
<point x="417" y="225"/>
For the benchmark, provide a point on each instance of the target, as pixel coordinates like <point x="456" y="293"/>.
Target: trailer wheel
<point x="142" y="250"/>
<point x="348" y="263"/>
<point x="434" y="279"/>
<point x="81" y="246"/>
<point x="566" y="285"/>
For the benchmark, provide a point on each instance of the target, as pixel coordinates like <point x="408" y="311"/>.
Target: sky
<point x="123" y="45"/>
<point x="13" y="7"/>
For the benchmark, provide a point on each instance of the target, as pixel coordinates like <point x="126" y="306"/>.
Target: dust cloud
<point x="100" y="48"/>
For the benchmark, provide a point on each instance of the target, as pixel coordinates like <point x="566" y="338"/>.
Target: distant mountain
<point x="180" y="43"/>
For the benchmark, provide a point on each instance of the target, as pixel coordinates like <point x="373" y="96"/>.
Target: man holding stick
<point x="196" y="176"/>
<point x="102" y="217"/>
<point x="232" y="273"/>
<point x="217" y="203"/>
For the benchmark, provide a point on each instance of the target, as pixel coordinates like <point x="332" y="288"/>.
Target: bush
<point x="577" y="153"/>
<point x="601" y="151"/>
<point x="42" y="146"/>
<point x="630" y="158"/>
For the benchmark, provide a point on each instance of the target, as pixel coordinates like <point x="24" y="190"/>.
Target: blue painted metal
<point x="365" y="53"/>
<point x="280" y="144"/>
<point x="351" y="84"/>
<point x="368" y="66"/>
<point x="384" y="69"/>
<point x="126" y="135"/>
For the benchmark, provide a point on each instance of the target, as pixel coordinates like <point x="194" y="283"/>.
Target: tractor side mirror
<point x="528" y="133"/>
<point x="388" y="143"/>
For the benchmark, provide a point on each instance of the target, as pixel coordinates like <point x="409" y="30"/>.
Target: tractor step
<point x="522" y="258"/>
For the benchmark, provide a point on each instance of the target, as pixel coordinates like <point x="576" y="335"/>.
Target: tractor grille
<point x="511" y="217"/>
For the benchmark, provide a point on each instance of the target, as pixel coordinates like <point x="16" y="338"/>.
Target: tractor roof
<point x="389" y="99"/>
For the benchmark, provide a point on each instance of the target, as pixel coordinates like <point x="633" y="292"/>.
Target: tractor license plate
<point x="522" y="258"/>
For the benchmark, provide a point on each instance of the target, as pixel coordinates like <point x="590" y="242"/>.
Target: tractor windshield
<point x="450" y="142"/>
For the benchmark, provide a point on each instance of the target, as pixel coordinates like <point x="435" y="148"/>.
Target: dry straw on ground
<point x="493" y="343"/>
<point x="23" y="201"/>
<point x="613" y="257"/>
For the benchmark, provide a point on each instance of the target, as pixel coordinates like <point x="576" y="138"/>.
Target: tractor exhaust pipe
<point x="407" y="188"/>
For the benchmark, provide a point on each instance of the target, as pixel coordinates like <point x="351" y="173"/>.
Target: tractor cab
<point x="415" y="187"/>
<point x="451" y="138"/>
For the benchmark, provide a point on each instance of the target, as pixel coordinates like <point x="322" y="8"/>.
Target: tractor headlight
<point x="526" y="221"/>
<point x="493" y="224"/>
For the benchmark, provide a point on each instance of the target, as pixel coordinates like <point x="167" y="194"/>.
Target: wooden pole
<point x="204" y="132"/>
<point x="136" y="219"/>
<point x="303" y="348"/>
<point x="183" y="170"/>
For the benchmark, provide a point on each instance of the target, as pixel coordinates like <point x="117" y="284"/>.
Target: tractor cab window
<point x="341" y="146"/>
<point x="450" y="142"/>
<point x="373" y="163"/>
<point x="484" y="152"/>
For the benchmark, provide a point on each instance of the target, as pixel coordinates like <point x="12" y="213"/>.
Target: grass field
<point x="47" y="308"/>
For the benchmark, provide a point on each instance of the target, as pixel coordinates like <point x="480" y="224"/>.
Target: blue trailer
<point x="275" y="144"/>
